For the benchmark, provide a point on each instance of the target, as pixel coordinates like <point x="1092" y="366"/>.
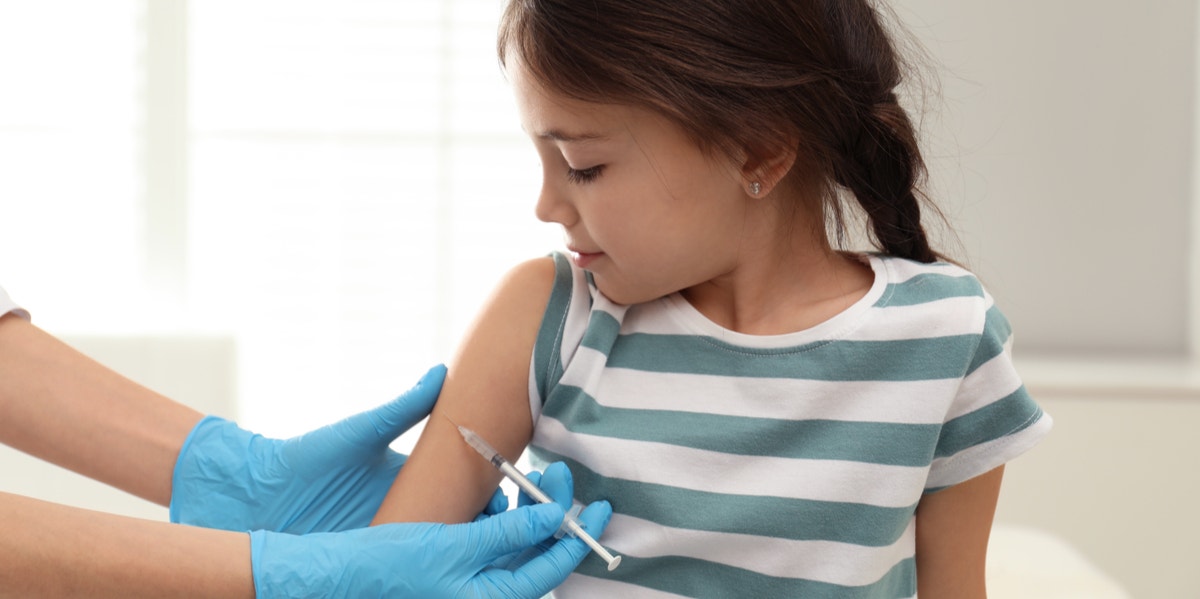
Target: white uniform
<point x="7" y="305"/>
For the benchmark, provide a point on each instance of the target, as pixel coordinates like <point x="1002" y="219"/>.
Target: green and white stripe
<point x="787" y="465"/>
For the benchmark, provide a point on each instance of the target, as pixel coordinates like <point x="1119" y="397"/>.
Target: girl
<point x="768" y="414"/>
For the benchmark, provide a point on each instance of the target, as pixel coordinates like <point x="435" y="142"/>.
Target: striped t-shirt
<point x="774" y="466"/>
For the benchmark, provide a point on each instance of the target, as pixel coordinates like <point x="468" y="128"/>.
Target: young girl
<point x="769" y="415"/>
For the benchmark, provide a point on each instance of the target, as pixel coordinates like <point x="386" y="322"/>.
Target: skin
<point x="61" y="406"/>
<point x="953" y="526"/>
<point x="444" y="480"/>
<point x="648" y="213"/>
<point x="660" y="216"/>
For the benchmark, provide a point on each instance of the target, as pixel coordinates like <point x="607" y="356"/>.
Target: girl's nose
<point x="553" y="207"/>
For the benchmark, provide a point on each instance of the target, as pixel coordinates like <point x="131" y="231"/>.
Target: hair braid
<point x="878" y="160"/>
<point x="882" y="167"/>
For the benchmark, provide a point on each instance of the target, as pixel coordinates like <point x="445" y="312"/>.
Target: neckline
<point x="835" y="327"/>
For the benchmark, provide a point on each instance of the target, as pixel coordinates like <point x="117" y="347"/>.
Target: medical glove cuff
<point x="213" y="457"/>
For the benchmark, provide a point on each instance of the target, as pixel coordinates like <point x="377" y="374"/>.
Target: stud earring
<point x="755" y="188"/>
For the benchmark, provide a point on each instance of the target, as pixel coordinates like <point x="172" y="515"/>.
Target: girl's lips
<point x="583" y="259"/>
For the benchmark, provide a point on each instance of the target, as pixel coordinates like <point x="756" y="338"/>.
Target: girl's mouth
<point x="583" y="259"/>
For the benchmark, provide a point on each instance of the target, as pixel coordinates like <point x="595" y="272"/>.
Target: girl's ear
<point x="765" y="168"/>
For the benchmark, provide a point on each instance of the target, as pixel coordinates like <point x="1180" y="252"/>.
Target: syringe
<point x="572" y="524"/>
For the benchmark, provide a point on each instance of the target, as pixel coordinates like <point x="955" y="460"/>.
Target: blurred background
<point x="285" y="211"/>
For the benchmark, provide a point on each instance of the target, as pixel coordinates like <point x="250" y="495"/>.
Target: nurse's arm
<point x="62" y="406"/>
<point x="50" y="550"/>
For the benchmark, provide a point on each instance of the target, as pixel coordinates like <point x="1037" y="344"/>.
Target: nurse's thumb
<point x="392" y="419"/>
<point x="517" y="530"/>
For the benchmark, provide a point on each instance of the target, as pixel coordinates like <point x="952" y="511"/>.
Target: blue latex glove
<point x="425" y="560"/>
<point x="331" y="479"/>
<point x="557" y="483"/>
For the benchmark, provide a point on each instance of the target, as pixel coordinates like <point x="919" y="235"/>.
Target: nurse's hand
<point x="425" y="560"/>
<point x="331" y="479"/>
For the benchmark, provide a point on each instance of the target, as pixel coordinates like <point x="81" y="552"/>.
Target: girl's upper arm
<point x="953" y="526"/>
<point x="486" y="390"/>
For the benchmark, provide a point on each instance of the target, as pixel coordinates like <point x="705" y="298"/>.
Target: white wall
<point x="1062" y="146"/>
<point x="1064" y="149"/>
<point x="1119" y="479"/>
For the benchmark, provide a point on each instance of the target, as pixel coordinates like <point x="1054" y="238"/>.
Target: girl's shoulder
<point x="913" y="281"/>
<point x="905" y="268"/>
<point x="940" y="297"/>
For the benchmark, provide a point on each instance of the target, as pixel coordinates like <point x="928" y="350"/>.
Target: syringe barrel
<point x="523" y="482"/>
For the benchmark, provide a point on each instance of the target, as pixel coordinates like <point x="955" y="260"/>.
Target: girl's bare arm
<point x="953" y="527"/>
<point x="486" y="390"/>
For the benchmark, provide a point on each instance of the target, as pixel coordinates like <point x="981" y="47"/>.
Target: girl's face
<point x="642" y="207"/>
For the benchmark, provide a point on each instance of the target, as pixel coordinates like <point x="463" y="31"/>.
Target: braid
<point x="877" y="157"/>
<point x="881" y="165"/>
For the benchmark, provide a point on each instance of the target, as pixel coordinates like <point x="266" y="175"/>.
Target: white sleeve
<point x="7" y="305"/>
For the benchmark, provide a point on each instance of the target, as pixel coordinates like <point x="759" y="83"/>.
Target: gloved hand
<point x="331" y="479"/>
<point x="558" y="484"/>
<point x="425" y="560"/>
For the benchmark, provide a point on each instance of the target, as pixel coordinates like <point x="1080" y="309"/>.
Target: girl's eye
<point x="585" y="175"/>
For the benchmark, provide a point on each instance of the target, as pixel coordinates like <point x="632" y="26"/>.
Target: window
<point x="346" y="181"/>
<point x="359" y="182"/>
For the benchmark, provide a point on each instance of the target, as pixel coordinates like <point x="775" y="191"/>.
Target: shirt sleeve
<point x="992" y="419"/>
<point x="7" y="306"/>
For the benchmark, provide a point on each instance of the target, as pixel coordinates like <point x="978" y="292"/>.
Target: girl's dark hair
<point x="748" y="77"/>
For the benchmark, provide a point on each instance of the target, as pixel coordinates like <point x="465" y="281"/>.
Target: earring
<point x="755" y="188"/>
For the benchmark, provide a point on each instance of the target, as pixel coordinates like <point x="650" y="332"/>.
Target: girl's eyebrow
<point x="557" y="135"/>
